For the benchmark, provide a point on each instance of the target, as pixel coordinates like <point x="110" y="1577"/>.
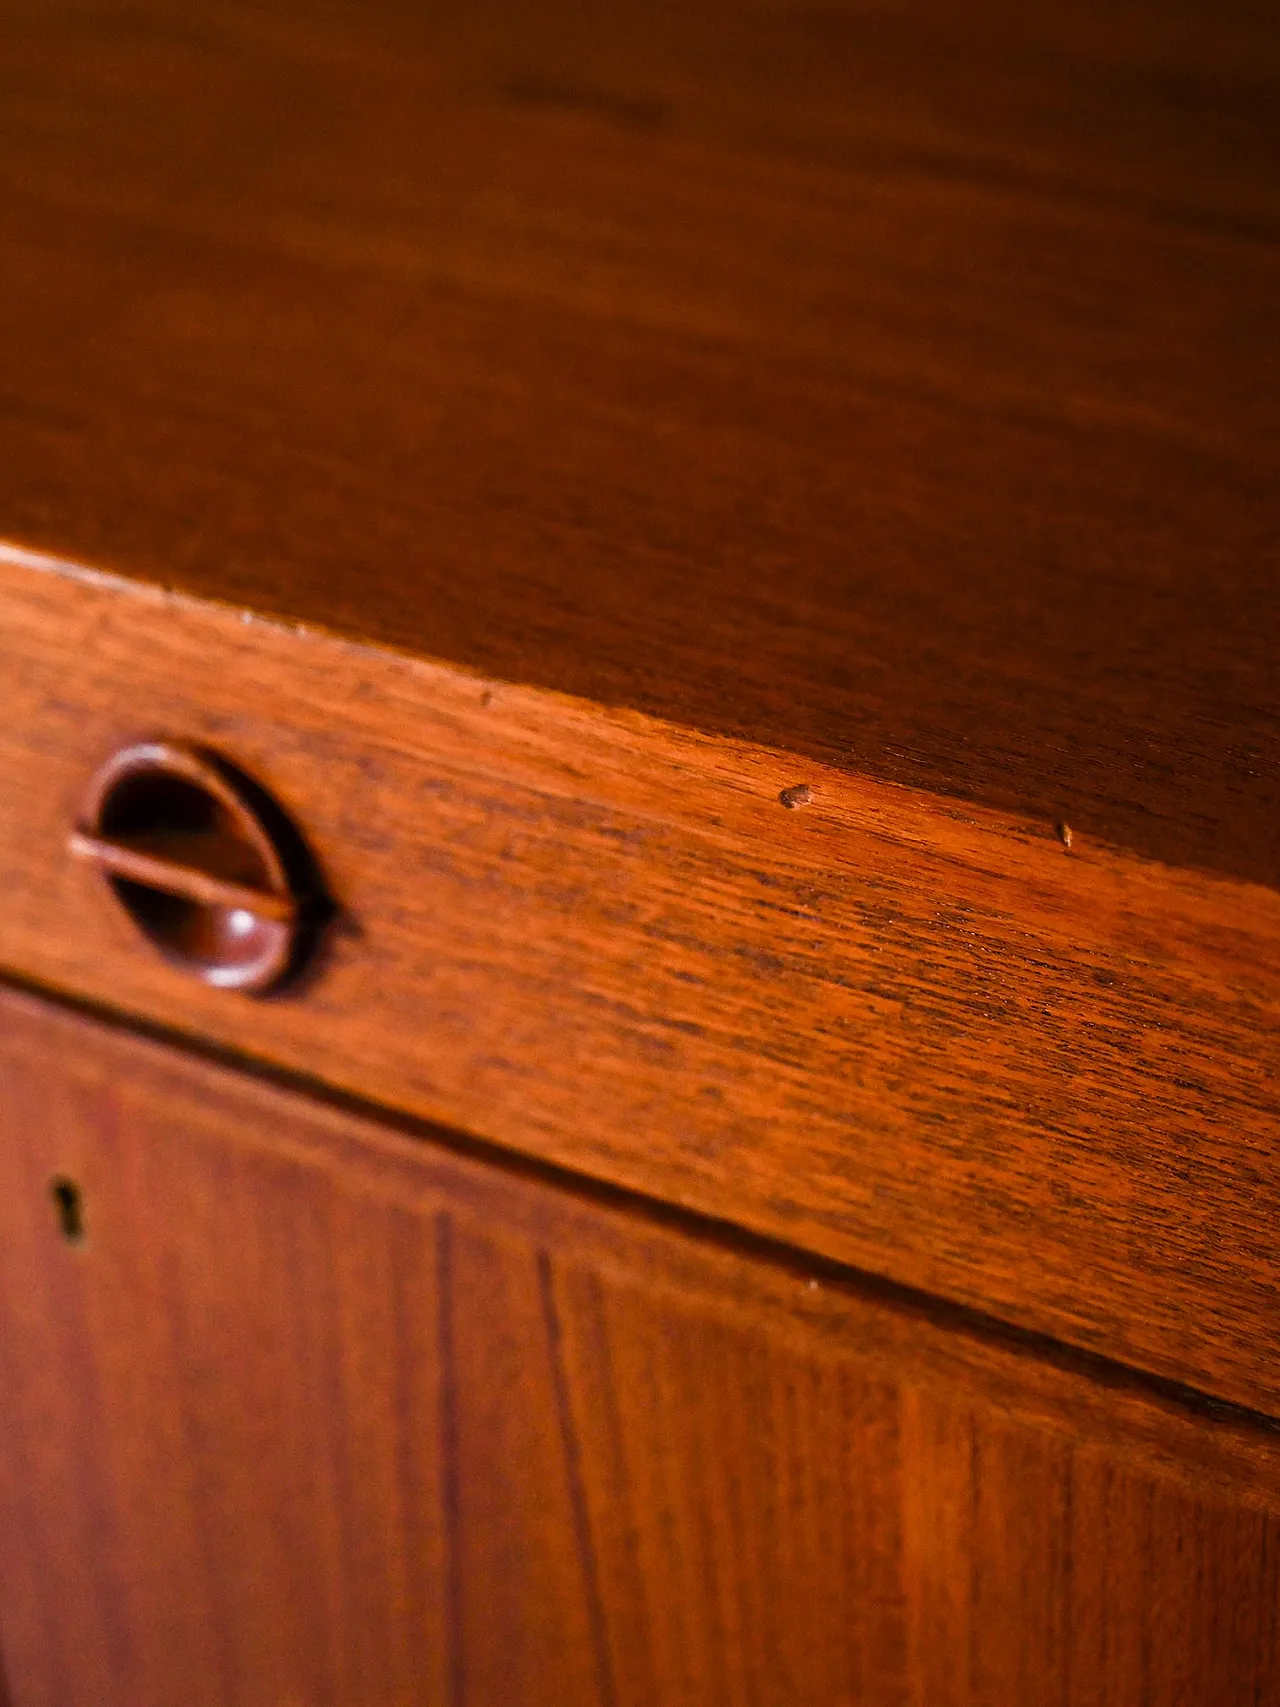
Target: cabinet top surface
<point x="891" y="385"/>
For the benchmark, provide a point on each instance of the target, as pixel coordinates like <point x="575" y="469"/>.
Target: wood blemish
<point x="69" y="1206"/>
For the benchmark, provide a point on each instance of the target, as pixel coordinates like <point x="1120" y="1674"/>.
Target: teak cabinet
<point x="640" y="949"/>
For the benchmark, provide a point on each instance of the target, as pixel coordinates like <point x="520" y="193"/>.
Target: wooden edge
<point x="722" y="757"/>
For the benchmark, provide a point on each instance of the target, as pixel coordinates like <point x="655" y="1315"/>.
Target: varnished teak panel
<point x="922" y="1040"/>
<point x="318" y="1413"/>
<point x="893" y="386"/>
<point x="881" y="402"/>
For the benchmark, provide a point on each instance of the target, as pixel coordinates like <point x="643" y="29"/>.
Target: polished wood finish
<point x="893" y="387"/>
<point x="861" y="416"/>
<point x="314" y="1411"/>
<point x="931" y="1043"/>
<point x="744" y="535"/>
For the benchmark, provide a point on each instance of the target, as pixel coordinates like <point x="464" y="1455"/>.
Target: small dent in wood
<point x="798" y="795"/>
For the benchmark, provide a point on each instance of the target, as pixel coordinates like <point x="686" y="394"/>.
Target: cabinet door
<point x="298" y="1409"/>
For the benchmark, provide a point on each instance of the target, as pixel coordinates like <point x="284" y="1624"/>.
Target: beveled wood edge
<point x="1057" y="837"/>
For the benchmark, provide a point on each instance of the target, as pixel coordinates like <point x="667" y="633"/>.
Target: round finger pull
<point x="208" y="866"/>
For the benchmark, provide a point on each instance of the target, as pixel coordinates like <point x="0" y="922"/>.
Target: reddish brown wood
<point x="894" y="387"/>
<point x="928" y="1042"/>
<point x="879" y="401"/>
<point x="870" y="418"/>
<point x="318" y="1412"/>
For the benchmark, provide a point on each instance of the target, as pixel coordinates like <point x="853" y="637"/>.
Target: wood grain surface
<point x="925" y="1041"/>
<point x="315" y="1412"/>
<point x="894" y="386"/>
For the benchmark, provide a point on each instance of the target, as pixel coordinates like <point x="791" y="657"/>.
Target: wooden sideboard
<point x="707" y="577"/>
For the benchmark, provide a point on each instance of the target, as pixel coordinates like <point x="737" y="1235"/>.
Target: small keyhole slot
<point x="68" y="1204"/>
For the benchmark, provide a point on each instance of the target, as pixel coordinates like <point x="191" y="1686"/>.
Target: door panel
<point x="315" y="1411"/>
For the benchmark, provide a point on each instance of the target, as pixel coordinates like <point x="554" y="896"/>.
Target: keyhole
<point x="69" y="1206"/>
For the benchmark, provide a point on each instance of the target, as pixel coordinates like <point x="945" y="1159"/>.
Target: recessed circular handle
<point x="206" y="865"/>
